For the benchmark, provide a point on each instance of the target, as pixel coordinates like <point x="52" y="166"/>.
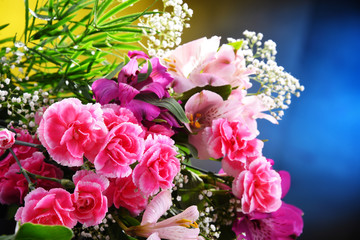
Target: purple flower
<point x="284" y="224"/>
<point x="131" y="82"/>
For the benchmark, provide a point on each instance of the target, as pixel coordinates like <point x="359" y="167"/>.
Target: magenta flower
<point x="284" y="224"/>
<point x="158" y="166"/>
<point x="128" y="85"/>
<point x="70" y="130"/>
<point x="52" y="207"/>
<point x="7" y="139"/>
<point x="89" y="202"/>
<point x="179" y="227"/>
<point x="258" y="187"/>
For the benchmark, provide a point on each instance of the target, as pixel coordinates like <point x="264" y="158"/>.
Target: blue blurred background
<point x="319" y="43"/>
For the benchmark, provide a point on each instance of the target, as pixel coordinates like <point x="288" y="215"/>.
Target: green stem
<point x="35" y="176"/>
<point x="120" y="223"/>
<point x="64" y="182"/>
<point x="39" y="146"/>
<point x="196" y="168"/>
<point x="22" y="170"/>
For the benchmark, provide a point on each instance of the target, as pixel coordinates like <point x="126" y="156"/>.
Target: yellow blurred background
<point x="13" y="12"/>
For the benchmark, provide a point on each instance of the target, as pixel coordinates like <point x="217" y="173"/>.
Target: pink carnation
<point x="14" y="186"/>
<point x="22" y="151"/>
<point x="158" y="166"/>
<point x="234" y="142"/>
<point x="114" y="115"/>
<point x="7" y="139"/>
<point x="52" y="207"/>
<point x="89" y="202"/>
<point x="259" y="187"/>
<point x="123" y="146"/>
<point x="69" y="130"/>
<point x="123" y="193"/>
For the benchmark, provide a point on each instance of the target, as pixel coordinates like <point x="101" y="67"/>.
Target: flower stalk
<point x="22" y="170"/>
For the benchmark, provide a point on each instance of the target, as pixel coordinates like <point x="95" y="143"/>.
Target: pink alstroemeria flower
<point x="199" y="63"/>
<point x="179" y="227"/>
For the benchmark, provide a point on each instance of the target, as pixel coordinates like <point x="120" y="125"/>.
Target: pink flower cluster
<point x="256" y="183"/>
<point x="113" y="140"/>
<point x="126" y="143"/>
<point x="57" y="206"/>
<point x="284" y="223"/>
<point x="14" y="186"/>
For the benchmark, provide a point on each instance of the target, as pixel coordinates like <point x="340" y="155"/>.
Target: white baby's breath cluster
<point x="164" y="28"/>
<point x="274" y="82"/>
<point x="19" y="104"/>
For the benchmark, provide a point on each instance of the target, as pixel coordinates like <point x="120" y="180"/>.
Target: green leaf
<point x="29" y="231"/>
<point x="52" y="30"/>
<point x="115" y="71"/>
<point x="45" y="56"/>
<point x="190" y="191"/>
<point x="129" y="18"/>
<point x="4" y="26"/>
<point x="169" y="103"/>
<point x="114" y="27"/>
<point x="7" y="237"/>
<point x="103" y="6"/>
<point x="39" y="16"/>
<point x="143" y="76"/>
<point x="224" y="91"/>
<point x="115" y="10"/>
<point x="237" y="45"/>
<point x="26" y="19"/>
<point x="6" y="40"/>
<point x="190" y="149"/>
<point x="124" y="37"/>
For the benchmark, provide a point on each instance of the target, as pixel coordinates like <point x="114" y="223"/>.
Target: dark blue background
<point x="319" y="43"/>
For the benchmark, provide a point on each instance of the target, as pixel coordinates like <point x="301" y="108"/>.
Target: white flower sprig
<point x="17" y="102"/>
<point x="274" y="81"/>
<point x="165" y="27"/>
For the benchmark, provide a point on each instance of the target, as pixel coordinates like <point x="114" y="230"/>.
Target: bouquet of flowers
<point x="105" y="109"/>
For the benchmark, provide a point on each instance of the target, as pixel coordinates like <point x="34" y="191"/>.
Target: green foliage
<point x="29" y="231"/>
<point x="68" y="44"/>
<point x="169" y="103"/>
<point x="224" y="91"/>
<point x="237" y="45"/>
<point x="190" y="191"/>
